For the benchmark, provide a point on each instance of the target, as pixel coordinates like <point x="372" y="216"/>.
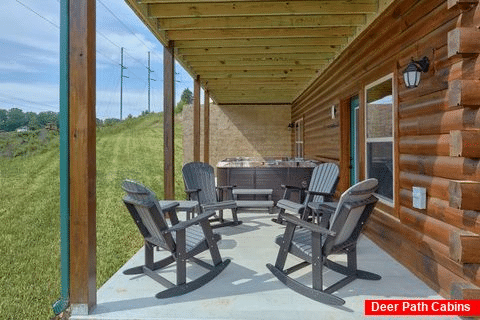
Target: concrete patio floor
<point x="247" y="290"/>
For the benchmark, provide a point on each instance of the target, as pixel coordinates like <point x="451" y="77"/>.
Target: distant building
<point x="22" y="129"/>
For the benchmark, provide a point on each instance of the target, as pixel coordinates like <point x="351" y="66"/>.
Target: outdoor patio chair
<point x="200" y="186"/>
<point x="182" y="239"/>
<point x="321" y="189"/>
<point x="313" y="243"/>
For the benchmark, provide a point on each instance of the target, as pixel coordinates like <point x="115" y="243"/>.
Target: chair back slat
<point x="324" y="179"/>
<point x="199" y="175"/>
<point x="353" y="209"/>
<point x="147" y="214"/>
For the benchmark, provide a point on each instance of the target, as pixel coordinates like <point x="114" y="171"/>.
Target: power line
<point x="126" y="27"/>
<point x="104" y="36"/>
<point x="10" y="98"/>
<point x="98" y="32"/>
<point x="38" y="14"/>
<point x="129" y="29"/>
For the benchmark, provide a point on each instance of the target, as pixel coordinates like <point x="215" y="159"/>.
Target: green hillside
<point x="29" y="212"/>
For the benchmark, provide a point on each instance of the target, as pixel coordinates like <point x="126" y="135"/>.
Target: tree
<point x="3" y="119"/>
<point x="185" y="98"/>
<point x="47" y="117"/>
<point x="33" y="123"/>
<point x="15" y="119"/>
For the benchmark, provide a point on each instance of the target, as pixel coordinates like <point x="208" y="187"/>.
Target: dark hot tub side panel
<point x="265" y="178"/>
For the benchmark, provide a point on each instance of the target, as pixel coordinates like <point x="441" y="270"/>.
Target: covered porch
<point x="324" y="61"/>
<point x="247" y="290"/>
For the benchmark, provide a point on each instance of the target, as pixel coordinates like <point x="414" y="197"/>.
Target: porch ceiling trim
<point x="256" y="51"/>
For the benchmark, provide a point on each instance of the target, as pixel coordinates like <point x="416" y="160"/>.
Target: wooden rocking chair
<point x="313" y="243"/>
<point x="199" y="178"/>
<point x="183" y="239"/>
<point x="321" y="189"/>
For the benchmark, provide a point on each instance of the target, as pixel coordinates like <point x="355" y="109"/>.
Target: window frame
<point x="383" y="199"/>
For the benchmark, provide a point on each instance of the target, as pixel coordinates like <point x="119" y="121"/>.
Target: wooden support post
<point x="396" y="135"/>
<point x="461" y="4"/>
<point x="463" y="41"/>
<point x="464" y="93"/>
<point x="168" y="121"/>
<point x="465" y="143"/>
<point x="82" y="127"/>
<point x="464" y="247"/>
<point x="206" y="127"/>
<point x="361" y="136"/>
<point x="464" y="195"/>
<point x="196" y="119"/>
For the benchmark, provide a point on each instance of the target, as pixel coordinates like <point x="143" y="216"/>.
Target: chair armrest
<point x="307" y="225"/>
<point x="323" y="207"/>
<point x="192" y="194"/>
<point x="228" y="204"/>
<point x="168" y="205"/>
<point x="323" y="211"/>
<point x="289" y="190"/>
<point x="291" y="187"/>
<point x="221" y="191"/>
<point x="225" y="187"/>
<point x="189" y="223"/>
<point x="325" y="194"/>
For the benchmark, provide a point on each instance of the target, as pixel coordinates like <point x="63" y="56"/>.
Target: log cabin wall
<point x="436" y="139"/>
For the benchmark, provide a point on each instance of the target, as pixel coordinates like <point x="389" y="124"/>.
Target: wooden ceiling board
<point x="278" y="21"/>
<point x="256" y="51"/>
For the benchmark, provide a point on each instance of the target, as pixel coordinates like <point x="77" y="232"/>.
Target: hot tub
<point x="271" y="173"/>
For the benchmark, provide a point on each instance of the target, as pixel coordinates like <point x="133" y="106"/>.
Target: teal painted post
<point x="62" y="304"/>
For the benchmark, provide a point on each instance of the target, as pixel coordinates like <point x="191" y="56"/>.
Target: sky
<point x="29" y="59"/>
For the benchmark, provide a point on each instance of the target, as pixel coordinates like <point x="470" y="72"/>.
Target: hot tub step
<point x="255" y="204"/>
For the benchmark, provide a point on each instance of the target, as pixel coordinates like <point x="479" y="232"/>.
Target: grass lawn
<point x="29" y="212"/>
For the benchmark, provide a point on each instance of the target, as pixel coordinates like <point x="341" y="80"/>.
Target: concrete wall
<point x="247" y="131"/>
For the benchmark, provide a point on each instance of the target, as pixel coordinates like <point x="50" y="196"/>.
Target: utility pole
<point x="149" y="78"/>
<point x="122" y="67"/>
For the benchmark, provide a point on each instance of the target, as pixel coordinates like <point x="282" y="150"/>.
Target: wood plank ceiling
<point x="255" y="51"/>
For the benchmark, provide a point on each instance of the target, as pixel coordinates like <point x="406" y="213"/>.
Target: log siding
<point x="435" y="138"/>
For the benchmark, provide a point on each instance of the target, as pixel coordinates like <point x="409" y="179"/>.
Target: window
<point x="379" y="136"/>
<point x="299" y="139"/>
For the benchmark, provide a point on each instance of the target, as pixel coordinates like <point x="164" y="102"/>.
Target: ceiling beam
<point x="281" y="64"/>
<point x="257" y="74"/>
<point x="291" y="21"/>
<point x="235" y="81"/>
<point x="264" y="8"/>
<point x="261" y="57"/>
<point x="255" y="50"/>
<point x="198" y="34"/>
<point x="251" y="42"/>
<point x="246" y="69"/>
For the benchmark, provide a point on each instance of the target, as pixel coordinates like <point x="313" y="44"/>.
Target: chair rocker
<point x="321" y="189"/>
<point x="313" y="243"/>
<point x="200" y="186"/>
<point x="183" y="239"/>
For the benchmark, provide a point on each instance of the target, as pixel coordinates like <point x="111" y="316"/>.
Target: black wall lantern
<point x="411" y="74"/>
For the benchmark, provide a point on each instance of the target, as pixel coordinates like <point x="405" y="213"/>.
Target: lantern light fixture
<point x="411" y="74"/>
